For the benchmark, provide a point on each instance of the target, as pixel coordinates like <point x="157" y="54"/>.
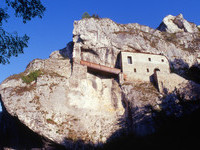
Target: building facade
<point x="141" y="66"/>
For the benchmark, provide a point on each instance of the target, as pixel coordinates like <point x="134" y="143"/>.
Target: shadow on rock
<point x="181" y="132"/>
<point x="15" y="135"/>
<point x="176" y="123"/>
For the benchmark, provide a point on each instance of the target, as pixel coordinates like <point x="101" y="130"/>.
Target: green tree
<point x="86" y="15"/>
<point x="95" y="16"/>
<point x="12" y="44"/>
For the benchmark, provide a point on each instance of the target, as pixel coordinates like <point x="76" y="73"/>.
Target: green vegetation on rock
<point x="86" y="15"/>
<point x="32" y="76"/>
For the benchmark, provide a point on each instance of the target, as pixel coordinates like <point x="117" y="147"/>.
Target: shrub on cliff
<point x="86" y="15"/>
<point x="95" y="16"/>
<point x="31" y="76"/>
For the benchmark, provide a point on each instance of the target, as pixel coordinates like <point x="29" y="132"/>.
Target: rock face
<point x="15" y="134"/>
<point x="68" y="103"/>
<point x="173" y="24"/>
<point x="102" y="40"/>
<point x="56" y="106"/>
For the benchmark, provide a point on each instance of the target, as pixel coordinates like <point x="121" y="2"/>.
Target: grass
<point x="124" y="32"/>
<point x="21" y="90"/>
<point x="50" y="121"/>
<point x="15" y="76"/>
<point x="35" y="100"/>
<point x="170" y="37"/>
<point x="32" y="76"/>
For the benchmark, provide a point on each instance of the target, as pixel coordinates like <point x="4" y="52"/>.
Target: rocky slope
<point x="66" y="104"/>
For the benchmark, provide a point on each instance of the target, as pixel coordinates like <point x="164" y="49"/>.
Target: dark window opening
<point x="129" y="58"/>
<point x="162" y="60"/>
<point x="135" y="70"/>
<point x="147" y="69"/>
<point x="149" y="59"/>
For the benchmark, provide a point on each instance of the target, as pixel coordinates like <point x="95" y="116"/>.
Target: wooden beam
<point x="100" y="67"/>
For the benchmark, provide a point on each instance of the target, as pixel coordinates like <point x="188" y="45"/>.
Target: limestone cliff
<point x="67" y="103"/>
<point x="60" y="107"/>
<point x="103" y="39"/>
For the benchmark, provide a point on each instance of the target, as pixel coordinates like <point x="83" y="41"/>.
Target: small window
<point x="162" y="60"/>
<point x="147" y="69"/>
<point x="149" y="59"/>
<point x="129" y="58"/>
<point x="135" y="70"/>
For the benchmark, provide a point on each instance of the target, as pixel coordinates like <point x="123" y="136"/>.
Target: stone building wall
<point x="141" y="66"/>
<point x="76" y="56"/>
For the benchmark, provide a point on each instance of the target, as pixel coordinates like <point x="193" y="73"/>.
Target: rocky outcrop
<point x="63" y="109"/>
<point x="140" y="99"/>
<point x="14" y="134"/>
<point x="173" y="24"/>
<point x="102" y="40"/>
<point x="144" y="104"/>
<point x="67" y="103"/>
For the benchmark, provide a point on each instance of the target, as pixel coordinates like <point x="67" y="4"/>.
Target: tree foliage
<point x="95" y="16"/>
<point x="86" y="15"/>
<point x="12" y="44"/>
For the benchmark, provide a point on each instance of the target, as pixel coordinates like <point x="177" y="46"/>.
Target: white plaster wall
<point x="141" y="63"/>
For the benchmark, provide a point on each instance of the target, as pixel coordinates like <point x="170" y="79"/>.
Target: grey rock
<point x="102" y="40"/>
<point x="68" y="103"/>
<point x="173" y="24"/>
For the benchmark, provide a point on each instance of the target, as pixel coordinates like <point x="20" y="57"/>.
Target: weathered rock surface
<point x="67" y="103"/>
<point x="140" y="98"/>
<point x="58" y="107"/>
<point x="13" y="134"/>
<point x="102" y="40"/>
<point x="144" y="104"/>
<point x="173" y="24"/>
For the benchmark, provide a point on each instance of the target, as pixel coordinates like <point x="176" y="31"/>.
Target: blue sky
<point x="54" y="31"/>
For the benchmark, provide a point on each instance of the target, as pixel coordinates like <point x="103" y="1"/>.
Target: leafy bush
<point x="95" y="16"/>
<point x="32" y="76"/>
<point x="86" y="15"/>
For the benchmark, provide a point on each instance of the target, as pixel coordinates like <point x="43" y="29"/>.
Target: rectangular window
<point x="135" y="70"/>
<point x="149" y="59"/>
<point x="147" y="69"/>
<point x="129" y="58"/>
